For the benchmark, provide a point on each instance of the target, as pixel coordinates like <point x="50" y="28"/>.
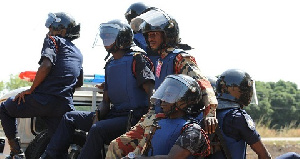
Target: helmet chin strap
<point x="114" y="48"/>
<point x="174" y="108"/>
<point x="170" y="112"/>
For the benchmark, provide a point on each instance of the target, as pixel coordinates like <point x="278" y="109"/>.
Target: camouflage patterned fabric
<point x="186" y="64"/>
<point x="135" y="140"/>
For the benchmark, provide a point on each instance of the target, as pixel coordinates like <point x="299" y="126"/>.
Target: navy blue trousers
<point x="100" y="133"/>
<point x="51" y="112"/>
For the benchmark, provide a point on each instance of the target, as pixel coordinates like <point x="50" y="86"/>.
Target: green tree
<point x="278" y="102"/>
<point x="261" y="112"/>
<point x="1" y="86"/>
<point x="282" y="104"/>
<point x="15" y="82"/>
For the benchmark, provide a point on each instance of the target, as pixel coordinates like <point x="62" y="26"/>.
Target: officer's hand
<point x="100" y="86"/>
<point x="21" y="96"/>
<point x="210" y="124"/>
<point x="96" y="116"/>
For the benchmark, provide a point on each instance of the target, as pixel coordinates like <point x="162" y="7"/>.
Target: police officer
<point x="162" y="36"/>
<point x="129" y="83"/>
<point x="235" y="90"/>
<point x="173" y="133"/>
<point x="50" y="95"/>
<point x="134" y="10"/>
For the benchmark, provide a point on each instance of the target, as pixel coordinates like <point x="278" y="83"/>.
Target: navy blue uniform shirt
<point x="236" y="126"/>
<point x="66" y="61"/>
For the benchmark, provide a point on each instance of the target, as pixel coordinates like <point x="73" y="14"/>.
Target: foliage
<point x="290" y="130"/>
<point x="1" y="86"/>
<point x="15" y="82"/>
<point x="279" y="104"/>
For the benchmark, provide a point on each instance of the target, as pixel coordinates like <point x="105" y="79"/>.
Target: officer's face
<point x="172" y="111"/>
<point x="53" y="32"/>
<point x="108" y="40"/>
<point x="166" y="107"/>
<point x="107" y="48"/>
<point x="155" y="39"/>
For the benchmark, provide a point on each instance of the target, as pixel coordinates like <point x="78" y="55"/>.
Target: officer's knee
<point x="68" y="118"/>
<point x="95" y="129"/>
<point x="69" y="115"/>
<point x="3" y="107"/>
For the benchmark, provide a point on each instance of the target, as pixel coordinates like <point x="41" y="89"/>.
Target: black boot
<point x="15" y="149"/>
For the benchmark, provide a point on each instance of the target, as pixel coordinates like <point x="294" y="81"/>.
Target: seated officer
<point x="128" y="86"/>
<point x="173" y="133"/>
<point x="236" y="89"/>
<point x="162" y="36"/>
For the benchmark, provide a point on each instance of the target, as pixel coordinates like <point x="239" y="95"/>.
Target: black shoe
<point x="15" y="149"/>
<point x="16" y="156"/>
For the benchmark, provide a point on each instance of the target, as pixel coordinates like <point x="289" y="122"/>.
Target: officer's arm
<point x="104" y="106"/>
<point x="143" y="71"/>
<point x="40" y="76"/>
<point x="260" y="149"/>
<point x="186" y="64"/>
<point x="42" y="73"/>
<point x="149" y="87"/>
<point x="79" y="82"/>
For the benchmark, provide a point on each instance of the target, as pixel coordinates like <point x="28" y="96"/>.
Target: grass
<point x="277" y="148"/>
<point x="288" y="131"/>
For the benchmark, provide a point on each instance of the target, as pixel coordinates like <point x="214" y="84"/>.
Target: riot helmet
<point x="237" y="86"/>
<point x="117" y="33"/>
<point x="158" y="20"/>
<point x="61" y="20"/>
<point x="178" y="87"/>
<point x="135" y="10"/>
<point x="213" y="80"/>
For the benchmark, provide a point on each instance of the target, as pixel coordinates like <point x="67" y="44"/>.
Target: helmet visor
<point x="171" y="91"/>
<point x="154" y="18"/>
<point x="254" y="97"/>
<point x="109" y="33"/>
<point x="51" y="18"/>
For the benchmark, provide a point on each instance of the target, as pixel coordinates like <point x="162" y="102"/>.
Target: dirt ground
<point x="276" y="149"/>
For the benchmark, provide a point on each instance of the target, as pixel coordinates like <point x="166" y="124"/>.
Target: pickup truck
<point x="32" y="131"/>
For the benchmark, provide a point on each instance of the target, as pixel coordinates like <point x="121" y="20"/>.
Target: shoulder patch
<point x="249" y="121"/>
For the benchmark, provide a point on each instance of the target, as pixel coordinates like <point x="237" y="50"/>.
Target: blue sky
<point x="261" y="37"/>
